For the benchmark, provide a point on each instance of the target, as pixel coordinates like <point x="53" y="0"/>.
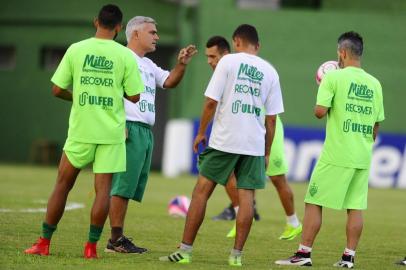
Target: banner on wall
<point x="303" y="146"/>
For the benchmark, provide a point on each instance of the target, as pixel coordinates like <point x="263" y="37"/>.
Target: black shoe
<point x="124" y="245"/>
<point x="227" y="214"/>
<point x="256" y="214"/>
<point x="402" y="262"/>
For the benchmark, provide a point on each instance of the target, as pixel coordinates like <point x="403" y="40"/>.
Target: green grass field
<point x="383" y="241"/>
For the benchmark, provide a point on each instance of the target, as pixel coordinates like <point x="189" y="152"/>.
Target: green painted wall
<point x="296" y="42"/>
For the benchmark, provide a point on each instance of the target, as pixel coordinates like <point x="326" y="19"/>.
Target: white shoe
<point x="347" y="261"/>
<point x="299" y="259"/>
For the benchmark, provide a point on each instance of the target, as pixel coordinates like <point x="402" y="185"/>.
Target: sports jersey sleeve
<point x="63" y="76"/>
<point x="326" y="91"/>
<point x="160" y="75"/>
<point x="381" y="112"/>
<point x="132" y="82"/>
<point x="274" y="102"/>
<point x="217" y="82"/>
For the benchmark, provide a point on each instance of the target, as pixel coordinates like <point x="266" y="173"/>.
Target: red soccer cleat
<point x="41" y="247"/>
<point x="90" y="251"/>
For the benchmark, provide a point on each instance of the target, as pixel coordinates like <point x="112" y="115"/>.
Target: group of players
<point x="243" y="99"/>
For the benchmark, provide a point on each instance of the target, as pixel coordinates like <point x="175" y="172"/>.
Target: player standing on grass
<point x="216" y="48"/>
<point x="142" y="37"/>
<point x="352" y="100"/>
<point x="100" y="71"/>
<point x="239" y="142"/>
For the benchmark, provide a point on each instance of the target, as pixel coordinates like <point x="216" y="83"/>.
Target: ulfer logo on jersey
<point x="250" y="73"/>
<point x="97" y="62"/>
<point x="360" y="92"/>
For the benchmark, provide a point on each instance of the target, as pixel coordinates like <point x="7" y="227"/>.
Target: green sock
<point x="47" y="230"/>
<point x="94" y="233"/>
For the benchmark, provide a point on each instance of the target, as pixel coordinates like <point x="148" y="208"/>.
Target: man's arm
<point x="176" y="74"/>
<point x="270" y="124"/>
<point x="61" y="93"/>
<point x="209" y="108"/>
<point x="376" y="128"/>
<point x="320" y="111"/>
<point x="133" y="99"/>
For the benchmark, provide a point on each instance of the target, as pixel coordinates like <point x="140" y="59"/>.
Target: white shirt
<point x="152" y="76"/>
<point x="243" y="84"/>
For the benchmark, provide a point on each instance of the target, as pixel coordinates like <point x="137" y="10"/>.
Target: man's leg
<point x="293" y="227"/>
<point x="311" y="227"/>
<point x="197" y="209"/>
<point x="117" y="212"/>
<point x="354" y="227"/>
<point x="195" y="215"/>
<point x="66" y="178"/>
<point x="231" y="189"/>
<point x="244" y="217"/>
<point x="99" y="212"/>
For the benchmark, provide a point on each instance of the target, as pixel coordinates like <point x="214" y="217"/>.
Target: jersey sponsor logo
<point x="150" y="90"/>
<point x="250" y="73"/>
<point x="86" y="99"/>
<point x="246" y="89"/>
<point x="349" y="107"/>
<point x="89" y="80"/>
<point x="238" y="107"/>
<point x="350" y="126"/>
<point x="97" y="62"/>
<point x="360" y="92"/>
<point x="145" y="105"/>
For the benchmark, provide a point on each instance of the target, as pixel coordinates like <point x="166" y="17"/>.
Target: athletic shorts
<point x="131" y="184"/>
<point x="338" y="187"/>
<point x="277" y="162"/>
<point x="217" y="167"/>
<point x="106" y="158"/>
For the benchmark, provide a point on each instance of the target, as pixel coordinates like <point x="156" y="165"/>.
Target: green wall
<point x="28" y="111"/>
<point x="296" y="42"/>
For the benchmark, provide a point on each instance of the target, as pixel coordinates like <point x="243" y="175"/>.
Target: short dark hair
<point x="248" y="33"/>
<point x="219" y="41"/>
<point x="351" y="41"/>
<point x="109" y="16"/>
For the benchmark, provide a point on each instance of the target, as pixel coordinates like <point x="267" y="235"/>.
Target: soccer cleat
<point x="234" y="260"/>
<point x="232" y="232"/>
<point x="290" y="232"/>
<point x="178" y="256"/>
<point x="41" y="247"/>
<point x="402" y="262"/>
<point x="347" y="261"/>
<point x="90" y="251"/>
<point x="227" y="214"/>
<point x="124" y="245"/>
<point x="298" y="259"/>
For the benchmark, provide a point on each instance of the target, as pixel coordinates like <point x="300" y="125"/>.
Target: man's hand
<point x="200" y="138"/>
<point x="186" y="54"/>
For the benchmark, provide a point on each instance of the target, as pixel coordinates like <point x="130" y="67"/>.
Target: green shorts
<point x="338" y="187"/>
<point x="131" y="184"/>
<point x="106" y="158"/>
<point x="277" y="162"/>
<point x="217" y="167"/>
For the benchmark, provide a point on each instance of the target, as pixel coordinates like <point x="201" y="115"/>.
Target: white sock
<point x="350" y="252"/>
<point x="236" y="210"/>
<point x="305" y="249"/>
<point x="293" y="220"/>
<point x="236" y="252"/>
<point x="186" y="248"/>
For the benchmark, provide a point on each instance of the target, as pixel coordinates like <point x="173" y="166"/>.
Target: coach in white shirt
<point x="242" y="84"/>
<point x="142" y="36"/>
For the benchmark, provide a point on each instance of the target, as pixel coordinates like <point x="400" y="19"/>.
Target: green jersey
<point x="356" y="104"/>
<point x="99" y="71"/>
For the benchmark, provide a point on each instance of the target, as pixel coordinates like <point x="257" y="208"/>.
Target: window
<point x="7" y="57"/>
<point x="51" y="57"/>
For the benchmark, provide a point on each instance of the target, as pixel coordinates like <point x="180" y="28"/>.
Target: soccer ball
<point x="178" y="206"/>
<point x="325" y="68"/>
